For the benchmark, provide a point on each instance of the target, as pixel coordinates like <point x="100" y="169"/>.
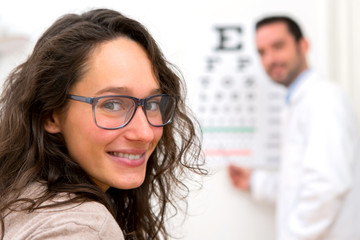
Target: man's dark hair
<point x="293" y="27"/>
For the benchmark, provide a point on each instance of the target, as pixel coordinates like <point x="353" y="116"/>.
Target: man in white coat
<point x="316" y="190"/>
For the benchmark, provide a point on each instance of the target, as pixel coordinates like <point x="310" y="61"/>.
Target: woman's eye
<point x="152" y="106"/>
<point x="112" y="105"/>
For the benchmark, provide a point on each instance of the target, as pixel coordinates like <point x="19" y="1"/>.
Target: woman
<point x="95" y="137"/>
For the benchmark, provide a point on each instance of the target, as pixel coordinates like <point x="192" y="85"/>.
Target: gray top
<point x="89" y="220"/>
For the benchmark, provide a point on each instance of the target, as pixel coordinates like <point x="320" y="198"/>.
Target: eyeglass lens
<point x="116" y="112"/>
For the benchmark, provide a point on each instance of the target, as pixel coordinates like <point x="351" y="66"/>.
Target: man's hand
<point x="240" y="177"/>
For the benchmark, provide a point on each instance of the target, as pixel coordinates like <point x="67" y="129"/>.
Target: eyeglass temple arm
<point x="81" y="99"/>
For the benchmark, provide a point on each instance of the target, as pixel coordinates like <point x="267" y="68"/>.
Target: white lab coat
<point x="317" y="187"/>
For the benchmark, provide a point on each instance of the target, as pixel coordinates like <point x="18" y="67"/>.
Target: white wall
<point x="170" y="21"/>
<point x="217" y="211"/>
<point x="344" y="49"/>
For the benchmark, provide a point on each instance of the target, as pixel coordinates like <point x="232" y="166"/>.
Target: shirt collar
<point x="295" y="84"/>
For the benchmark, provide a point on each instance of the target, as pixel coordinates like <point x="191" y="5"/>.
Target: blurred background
<point x="235" y="102"/>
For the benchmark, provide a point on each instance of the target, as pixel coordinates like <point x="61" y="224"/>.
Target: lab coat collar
<point x="295" y="88"/>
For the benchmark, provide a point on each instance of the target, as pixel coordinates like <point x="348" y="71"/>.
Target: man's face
<point x="282" y="57"/>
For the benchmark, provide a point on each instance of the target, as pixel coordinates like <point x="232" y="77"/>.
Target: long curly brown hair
<point x="39" y="86"/>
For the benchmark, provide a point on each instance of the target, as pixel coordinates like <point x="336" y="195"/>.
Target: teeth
<point x="125" y="155"/>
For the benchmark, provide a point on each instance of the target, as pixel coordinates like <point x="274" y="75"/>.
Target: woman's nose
<point x="139" y="128"/>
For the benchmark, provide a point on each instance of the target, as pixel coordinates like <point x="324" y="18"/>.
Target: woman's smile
<point x="129" y="159"/>
<point x="126" y="155"/>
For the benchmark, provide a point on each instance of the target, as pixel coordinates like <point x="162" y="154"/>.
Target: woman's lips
<point x="126" y="155"/>
<point x="128" y="159"/>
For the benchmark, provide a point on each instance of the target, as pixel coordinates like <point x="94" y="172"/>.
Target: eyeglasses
<point x="116" y="111"/>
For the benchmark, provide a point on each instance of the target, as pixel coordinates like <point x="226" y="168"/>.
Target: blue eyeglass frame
<point x="138" y="102"/>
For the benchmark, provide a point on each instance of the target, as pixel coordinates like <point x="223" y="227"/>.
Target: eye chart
<point x="238" y="106"/>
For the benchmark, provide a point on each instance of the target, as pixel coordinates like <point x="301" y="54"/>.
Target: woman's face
<point x="112" y="158"/>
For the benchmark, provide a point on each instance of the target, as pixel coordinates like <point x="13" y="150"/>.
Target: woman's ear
<point x="52" y="124"/>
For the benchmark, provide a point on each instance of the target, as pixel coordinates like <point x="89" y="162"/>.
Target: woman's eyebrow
<point x="124" y="90"/>
<point x="156" y="91"/>
<point x="120" y="90"/>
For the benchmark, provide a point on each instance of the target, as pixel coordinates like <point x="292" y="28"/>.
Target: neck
<point x="302" y="69"/>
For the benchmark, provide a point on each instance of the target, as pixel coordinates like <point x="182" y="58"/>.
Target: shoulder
<point x="326" y="102"/>
<point x="322" y="88"/>
<point x="87" y="220"/>
<point x="321" y="94"/>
